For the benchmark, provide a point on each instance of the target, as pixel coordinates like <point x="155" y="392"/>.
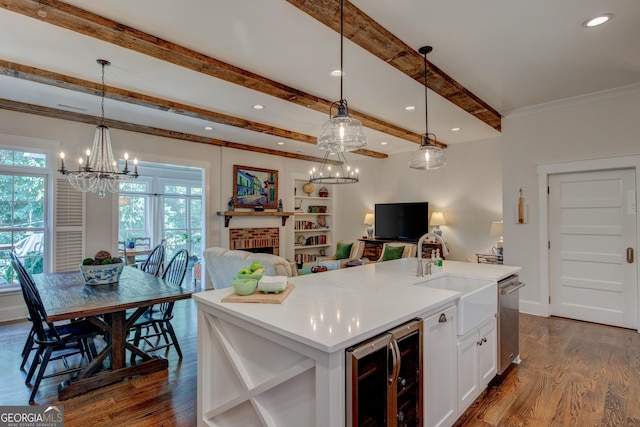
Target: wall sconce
<point x="437" y="219"/>
<point x="369" y="220"/>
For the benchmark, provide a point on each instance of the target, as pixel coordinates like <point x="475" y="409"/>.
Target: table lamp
<point x="496" y="231"/>
<point x="437" y="219"/>
<point x="369" y="221"/>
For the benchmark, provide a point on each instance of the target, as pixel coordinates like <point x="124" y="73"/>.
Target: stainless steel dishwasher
<point x="508" y="321"/>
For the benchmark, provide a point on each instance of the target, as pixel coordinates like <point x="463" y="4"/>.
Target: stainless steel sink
<point x="478" y="300"/>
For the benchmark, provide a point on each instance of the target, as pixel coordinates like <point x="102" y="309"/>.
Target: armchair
<point x="337" y="261"/>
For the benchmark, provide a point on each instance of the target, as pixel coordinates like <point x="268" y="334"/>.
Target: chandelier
<point x="341" y="132"/>
<point x="98" y="171"/>
<point x="428" y="156"/>
<point x="339" y="174"/>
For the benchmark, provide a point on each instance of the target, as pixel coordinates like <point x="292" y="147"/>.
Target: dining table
<point x="114" y="308"/>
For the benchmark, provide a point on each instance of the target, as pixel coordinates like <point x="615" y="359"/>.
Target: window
<point x="23" y="214"/>
<point x="182" y="211"/>
<point x="166" y="205"/>
<point x="134" y="214"/>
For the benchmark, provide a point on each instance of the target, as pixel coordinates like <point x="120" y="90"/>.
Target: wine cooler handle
<point x="395" y="357"/>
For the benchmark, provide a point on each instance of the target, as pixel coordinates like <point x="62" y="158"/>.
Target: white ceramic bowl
<point x="101" y="274"/>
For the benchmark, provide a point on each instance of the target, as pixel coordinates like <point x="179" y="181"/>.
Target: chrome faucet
<point x="445" y="252"/>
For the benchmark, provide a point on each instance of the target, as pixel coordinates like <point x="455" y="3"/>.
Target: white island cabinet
<point x="283" y="364"/>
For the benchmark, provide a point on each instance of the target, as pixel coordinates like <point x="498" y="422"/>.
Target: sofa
<point x="223" y="265"/>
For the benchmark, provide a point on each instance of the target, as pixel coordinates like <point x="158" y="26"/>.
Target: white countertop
<point x="333" y="310"/>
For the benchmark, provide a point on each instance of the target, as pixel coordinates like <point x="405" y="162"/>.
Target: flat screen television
<point x="401" y="221"/>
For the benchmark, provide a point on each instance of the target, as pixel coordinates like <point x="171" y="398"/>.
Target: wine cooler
<point x="384" y="379"/>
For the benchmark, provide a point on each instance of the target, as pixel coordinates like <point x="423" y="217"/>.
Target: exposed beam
<point x="22" y="107"/>
<point x="92" y="25"/>
<point x="373" y="37"/>
<point x="51" y="78"/>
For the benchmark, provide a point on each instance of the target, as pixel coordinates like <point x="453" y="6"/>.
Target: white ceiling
<point x="510" y="53"/>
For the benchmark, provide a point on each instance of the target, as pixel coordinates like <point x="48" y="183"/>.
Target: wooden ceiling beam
<point x="51" y="78"/>
<point x="374" y="38"/>
<point x="39" y="110"/>
<point x="84" y="22"/>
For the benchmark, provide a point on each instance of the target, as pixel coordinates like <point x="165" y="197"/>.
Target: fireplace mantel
<point x="228" y="214"/>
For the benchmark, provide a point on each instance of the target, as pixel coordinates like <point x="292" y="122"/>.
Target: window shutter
<point x="68" y="230"/>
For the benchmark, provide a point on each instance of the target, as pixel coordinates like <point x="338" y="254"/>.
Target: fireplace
<point x="262" y="240"/>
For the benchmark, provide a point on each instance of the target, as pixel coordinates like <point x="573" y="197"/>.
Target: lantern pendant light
<point x="428" y="156"/>
<point x="341" y="133"/>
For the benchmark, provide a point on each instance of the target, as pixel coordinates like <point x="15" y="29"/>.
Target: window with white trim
<point x="23" y="211"/>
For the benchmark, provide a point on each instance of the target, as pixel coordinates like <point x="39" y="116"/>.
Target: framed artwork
<point x="254" y="187"/>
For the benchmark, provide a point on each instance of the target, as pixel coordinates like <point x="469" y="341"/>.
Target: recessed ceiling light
<point x="258" y="107"/>
<point x="336" y="73"/>
<point x="280" y="143"/>
<point x="384" y="143"/>
<point x="410" y="107"/>
<point x="455" y="129"/>
<point x="598" y="20"/>
<point x="208" y="128"/>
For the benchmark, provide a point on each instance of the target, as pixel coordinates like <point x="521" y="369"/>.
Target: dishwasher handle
<point x="511" y="288"/>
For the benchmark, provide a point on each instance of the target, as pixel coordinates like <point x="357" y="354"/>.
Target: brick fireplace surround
<point x="255" y="238"/>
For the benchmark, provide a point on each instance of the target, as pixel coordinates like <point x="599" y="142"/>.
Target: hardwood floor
<point x="572" y="374"/>
<point x="161" y="399"/>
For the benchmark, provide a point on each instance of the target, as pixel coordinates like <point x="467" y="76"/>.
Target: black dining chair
<point x="158" y="331"/>
<point x="54" y="342"/>
<point x="155" y="261"/>
<point x="29" y="344"/>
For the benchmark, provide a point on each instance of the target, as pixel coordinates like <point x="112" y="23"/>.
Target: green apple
<point x="244" y="270"/>
<point x="255" y="265"/>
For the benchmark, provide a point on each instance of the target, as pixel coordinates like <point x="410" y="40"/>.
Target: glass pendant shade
<point x="342" y="133"/>
<point x="427" y="157"/>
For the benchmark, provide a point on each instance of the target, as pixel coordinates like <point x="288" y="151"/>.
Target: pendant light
<point x="341" y="132"/>
<point x="428" y="156"/>
<point x="98" y="172"/>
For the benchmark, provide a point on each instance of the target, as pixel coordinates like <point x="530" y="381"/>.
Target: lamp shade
<point x="369" y="219"/>
<point x="496" y="229"/>
<point x="437" y="218"/>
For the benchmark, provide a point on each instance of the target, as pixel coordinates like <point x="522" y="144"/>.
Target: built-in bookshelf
<point x="313" y="231"/>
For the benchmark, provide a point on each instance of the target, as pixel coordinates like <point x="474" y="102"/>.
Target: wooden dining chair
<point x="155" y="261"/>
<point x="141" y="243"/>
<point x="158" y="331"/>
<point x="29" y="344"/>
<point x="54" y="342"/>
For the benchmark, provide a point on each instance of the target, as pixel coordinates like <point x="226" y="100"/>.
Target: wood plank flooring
<point x="572" y="374"/>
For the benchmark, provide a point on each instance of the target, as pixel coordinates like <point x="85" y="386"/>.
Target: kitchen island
<point x="284" y="364"/>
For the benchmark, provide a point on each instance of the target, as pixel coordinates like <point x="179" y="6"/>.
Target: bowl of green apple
<point x="246" y="281"/>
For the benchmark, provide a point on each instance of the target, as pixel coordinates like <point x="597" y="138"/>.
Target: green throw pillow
<point x="343" y="250"/>
<point x="392" y="252"/>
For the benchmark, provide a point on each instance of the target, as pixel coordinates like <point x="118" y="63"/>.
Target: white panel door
<point x="592" y="222"/>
